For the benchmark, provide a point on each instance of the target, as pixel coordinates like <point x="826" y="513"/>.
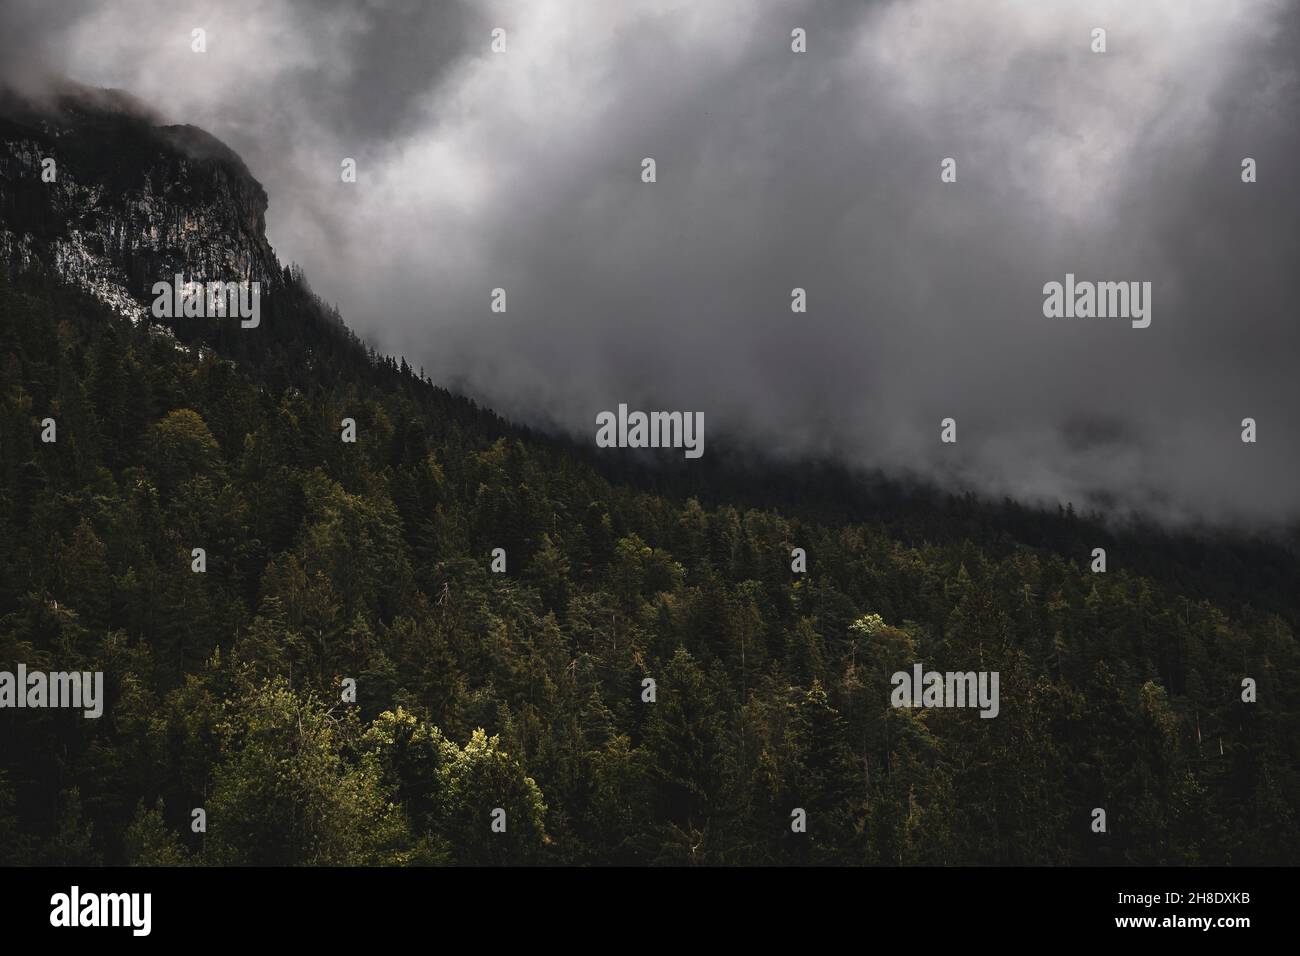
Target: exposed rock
<point x="134" y="201"/>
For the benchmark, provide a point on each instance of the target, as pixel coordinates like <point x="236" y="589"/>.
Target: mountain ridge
<point x="205" y="219"/>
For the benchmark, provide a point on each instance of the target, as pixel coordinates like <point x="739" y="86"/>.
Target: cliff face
<point x="132" y="201"/>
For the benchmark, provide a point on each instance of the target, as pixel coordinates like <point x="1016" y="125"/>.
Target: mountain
<point x="131" y="200"/>
<point x="380" y="644"/>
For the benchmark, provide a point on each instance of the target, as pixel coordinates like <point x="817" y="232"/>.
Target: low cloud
<point x="776" y="170"/>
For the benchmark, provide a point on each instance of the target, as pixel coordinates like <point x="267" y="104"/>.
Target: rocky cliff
<point x="127" y="201"/>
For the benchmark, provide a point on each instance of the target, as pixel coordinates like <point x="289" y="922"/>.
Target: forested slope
<point x="523" y="690"/>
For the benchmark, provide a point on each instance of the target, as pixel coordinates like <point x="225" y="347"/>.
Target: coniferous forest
<point x="368" y="565"/>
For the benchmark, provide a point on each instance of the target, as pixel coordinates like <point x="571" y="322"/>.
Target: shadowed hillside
<point x="328" y="562"/>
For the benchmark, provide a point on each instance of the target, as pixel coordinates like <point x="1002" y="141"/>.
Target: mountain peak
<point x="96" y="187"/>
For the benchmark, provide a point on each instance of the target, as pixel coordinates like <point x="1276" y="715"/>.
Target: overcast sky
<point x="775" y="170"/>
